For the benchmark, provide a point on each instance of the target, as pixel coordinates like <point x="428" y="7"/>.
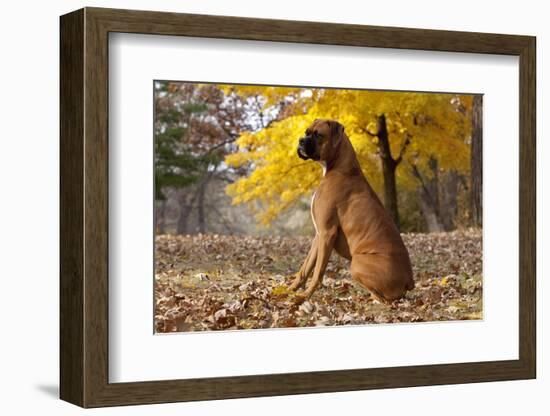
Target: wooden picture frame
<point x="84" y="207"/>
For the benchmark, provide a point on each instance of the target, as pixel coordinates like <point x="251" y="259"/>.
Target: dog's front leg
<point x="325" y="244"/>
<point x="307" y="266"/>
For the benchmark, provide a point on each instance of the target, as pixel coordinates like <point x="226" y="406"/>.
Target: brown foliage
<point x="214" y="282"/>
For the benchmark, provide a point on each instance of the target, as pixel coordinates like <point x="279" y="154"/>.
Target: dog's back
<point x="379" y="259"/>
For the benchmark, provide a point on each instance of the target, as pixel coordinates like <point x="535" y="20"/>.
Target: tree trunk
<point x="389" y="166"/>
<point x="200" y="202"/>
<point x="433" y="185"/>
<point x="476" y="162"/>
<point x="428" y="194"/>
<point x="433" y="223"/>
<point x="185" y="211"/>
<point x="448" y="201"/>
<point x="200" y="208"/>
<point x="161" y="216"/>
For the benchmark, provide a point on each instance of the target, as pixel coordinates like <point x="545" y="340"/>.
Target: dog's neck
<point x="344" y="162"/>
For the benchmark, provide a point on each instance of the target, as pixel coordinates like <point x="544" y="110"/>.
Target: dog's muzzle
<point x="306" y="148"/>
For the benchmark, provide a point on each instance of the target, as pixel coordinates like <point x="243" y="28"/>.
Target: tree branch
<point x="221" y="144"/>
<point x="403" y="149"/>
<point x="425" y="189"/>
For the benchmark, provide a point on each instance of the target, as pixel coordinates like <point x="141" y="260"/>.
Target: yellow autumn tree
<point x="397" y="136"/>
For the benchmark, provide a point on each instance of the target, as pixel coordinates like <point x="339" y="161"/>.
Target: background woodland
<point x="225" y="156"/>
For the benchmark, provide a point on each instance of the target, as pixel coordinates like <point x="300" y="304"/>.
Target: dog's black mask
<point x="307" y="148"/>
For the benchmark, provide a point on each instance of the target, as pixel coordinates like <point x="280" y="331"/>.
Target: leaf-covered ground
<point x="215" y="282"/>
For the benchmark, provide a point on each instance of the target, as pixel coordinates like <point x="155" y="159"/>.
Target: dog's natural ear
<point x="336" y="132"/>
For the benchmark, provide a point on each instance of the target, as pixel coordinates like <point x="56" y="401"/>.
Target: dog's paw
<point x="300" y="298"/>
<point x="295" y="283"/>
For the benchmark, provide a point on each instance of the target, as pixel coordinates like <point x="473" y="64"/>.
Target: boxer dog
<point x="349" y="218"/>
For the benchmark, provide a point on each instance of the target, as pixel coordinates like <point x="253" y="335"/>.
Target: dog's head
<point x="321" y="140"/>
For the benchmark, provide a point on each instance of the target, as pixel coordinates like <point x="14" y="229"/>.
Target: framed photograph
<point x="254" y="207"/>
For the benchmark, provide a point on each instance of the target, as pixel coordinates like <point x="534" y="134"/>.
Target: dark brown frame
<point x="84" y="209"/>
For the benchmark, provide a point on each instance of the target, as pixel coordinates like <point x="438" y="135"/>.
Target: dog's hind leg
<point x="368" y="284"/>
<point x="376" y="278"/>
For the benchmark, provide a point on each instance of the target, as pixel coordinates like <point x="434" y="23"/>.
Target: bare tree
<point x="389" y="166"/>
